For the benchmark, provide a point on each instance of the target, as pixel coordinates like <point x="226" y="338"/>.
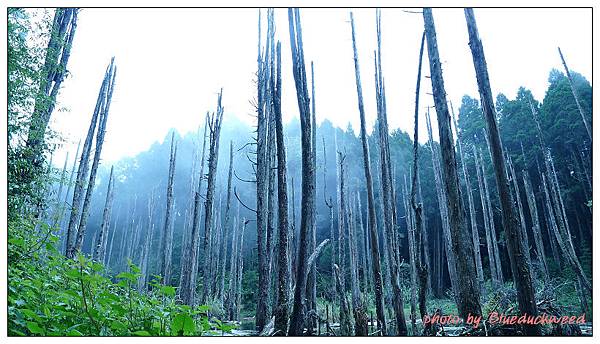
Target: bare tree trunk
<point x="308" y="170"/>
<point x="381" y="324"/>
<point x="281" y="310"/>
<point x="65" y="204"/>
<point x="231" y="292"/>
<point x="537" y="231"/>
<point x="411" y="229"/>
<point x="100" y="247"/>
<point x="387" y="188"/>
<point x="361" y="326"/>
<point x="213" y="160"/>
<point x="467" y="287"/>
<point x="441" y="196"/>
<point x="491" y="221"/>
<point x="520" y="267"/>
<point x="53" y="73"/>
<point x="422" y="269"/>
<point x="102" y="108"/>
<point x="167" y="234"/>
<point x="517" y="196"/>
<point x="226" y="228"/>
<point x="588" y="128"/>
<point x="240" y="271"/>
<point x="472" y="217"/>
<point x="486" y="223"/>
<point x="329" y="204"/>
<point x="262" y="173"/>
<point x="311" y="294"/>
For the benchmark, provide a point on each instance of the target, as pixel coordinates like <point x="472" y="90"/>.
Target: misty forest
<point x="301" y="228"/>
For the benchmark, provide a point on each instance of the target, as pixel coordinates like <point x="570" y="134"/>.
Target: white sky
<point x="172" y="62"/>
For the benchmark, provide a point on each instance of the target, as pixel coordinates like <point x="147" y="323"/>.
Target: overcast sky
<point x="172" y="62"/>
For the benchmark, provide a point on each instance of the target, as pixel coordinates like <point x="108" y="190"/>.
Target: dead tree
<point x="537" y="231"/>
<point x="472" y="217"/>
<point x="443" y="208"/>
<point x="381" y="324"/>
<point x="281" y="310"/>
<point x="361" y="326"/>
<point x="100" y="245"/>
<point x="574" y="91"/>
<point x="467" y="287"/>
<point x="345" y="320"/>
<point x="63" y="239"/>
<point x="226" y="226"/>
<point x="517" y="197"/>
<point x="490" y="215"/>
<point x="519" y="265"/>
<point x="188" y="272"/>
<point x="52" y="75"/>
<point x="308" y="169"/>
<point x="329" y="204"/>
<point x="262" y="174"/>
<point x="215" y="122"/>
<point x="167" y="233"/>
<point x="78" y="220"/>
<point x="486" y="222"/>
<point x="387" y="185"/>
<point x="233" y="269"/>
<point x="417" y="209"/>
<point x="311" y="293"/>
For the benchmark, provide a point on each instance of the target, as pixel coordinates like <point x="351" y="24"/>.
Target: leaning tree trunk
<point x="520" y="266"/>
<point x="588" y="128"/>
<point x="167" y="234"/>
<point x="226" y="227"/>
<point x="308" y="170"/>
<point x="375" y="259"/>
<point x="100" y="246"/>
<point x="52" y="75"/>
<point x="467" y="287"/>
<point x="77" y="222"/>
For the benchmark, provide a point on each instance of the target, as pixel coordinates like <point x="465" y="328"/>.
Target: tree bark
<point x="78" y="223"/>
<point x="520" y="266"/>
<point x="467" y="287"/>
<point x="167" y="234"/>
<point x="100" y="243"/>
<point x="308" y="169"/>
<point x="537" y="231"/>
<point x="381" y="324"/>
<point x="588" y="128"/>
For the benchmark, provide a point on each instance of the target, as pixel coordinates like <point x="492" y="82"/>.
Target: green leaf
<point x="141" y="333"/>
<point x="168" y="290"/>
<point x="74" y="333"/>
<point x="30" y="314"/>
<point x="34" y="328"/>
<point x="183" y="323"/>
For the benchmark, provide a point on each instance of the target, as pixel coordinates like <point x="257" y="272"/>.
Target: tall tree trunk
<point x="308" y="170"/>
<point x="63" y="234"/>
<point x="467" y="287"/>
<point x="77" y="222"/>
<point x="226" y="227"/>
<point x="100" y="246"/>
<point x="381" y="324"/>
<point x="443" y="208"/>
<point x="387" y="187"/>
<point x="262" y="174"/>
<point x="472" y="217"/>
<point x="486" y="222"/>
<point x="311" y="294"/>
<point x="281" y="310"/>
<point x="520" y="266"/>
<point x="213" y="160"/>
<point x="419" y="235"/>
<point x="537" y="231"/>
<point x="167" y="234"/>
<point x="517" y="196"/>
<point x="52" y="75"/>
<point x="588" y="127"/>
